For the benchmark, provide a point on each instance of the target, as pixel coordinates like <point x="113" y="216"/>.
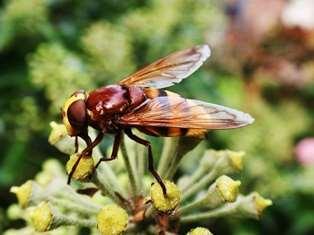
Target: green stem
<point x="197" y="217"/>
<point x="69" y="194"/>
<point x="73" y="220"/>
<point x="173" y="165"/>
<point x="168" y="152"/>
<point x="194" y="177"/>
<point x="206" y="180"/>
<point x="140" y="162"/>
<point x="129" y="167"/>
<point x="72" y="206"/>
<point x="184" y="145"/>
<point x="108" y="174"/>
<point x="101" y="182"/>
<point x="191" y="206"/>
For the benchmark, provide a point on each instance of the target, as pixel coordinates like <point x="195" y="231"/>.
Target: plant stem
<point x="168" y="152"/>
<point x="73" y="220"/>
<point x="72" y="206"/>
<point x="207" y="179"/>
<point x="129" y="167"/>
<point x="140" y="162"/>
<point x="191" y="206"/>
<point x="70" y="194"/>
<point x="194" y="177"/>
<point x="222" y="211"/>
<point x="184" y="145"/>
<point x="108" y="173"/>
<point x="101" y="182"/>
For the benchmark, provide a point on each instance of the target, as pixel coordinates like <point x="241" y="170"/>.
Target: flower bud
<point x="45" y="217"/>
<point x="42" y="217"/>
<point x="168" y="203"/>
<point x="228" y="188"/>
<point x="27" y="193"/>
<point x="236" y="159"/>
<point x="252" y="205"/>
<point x="112" y="220"/>
<point x="57" y="133"/>
<point x="223" y="190"/>
<point x="59" y="138"/>
<point x="199" y="231"/>
<point x="23" y="193"/>
<point x="15" y="212"/>
<point x="229" y="161"/>
<point x="83" y="170"/>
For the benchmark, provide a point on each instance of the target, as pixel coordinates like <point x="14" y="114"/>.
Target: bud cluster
<point x="123" y="197"/>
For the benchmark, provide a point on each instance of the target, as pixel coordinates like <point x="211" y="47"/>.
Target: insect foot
<point x="84" y="167"/>
<point x="165" y="203"/>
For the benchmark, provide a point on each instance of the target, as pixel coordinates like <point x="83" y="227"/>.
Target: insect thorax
<point x="107" y="103"/>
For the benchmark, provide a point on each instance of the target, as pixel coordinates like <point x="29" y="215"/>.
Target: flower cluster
<point x="24" y="17"/>
<point x="57" y="71"/>
<point x="122" y="198"/>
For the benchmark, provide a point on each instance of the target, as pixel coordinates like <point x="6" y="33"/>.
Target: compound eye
<point x="77" y="115"/>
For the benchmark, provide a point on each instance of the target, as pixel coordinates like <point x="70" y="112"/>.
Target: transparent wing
<point x="170" y="69"/>
<point x="176" y="111"/>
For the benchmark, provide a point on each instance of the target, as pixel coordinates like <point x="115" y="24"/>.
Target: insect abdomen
<point x="171" y="131"/>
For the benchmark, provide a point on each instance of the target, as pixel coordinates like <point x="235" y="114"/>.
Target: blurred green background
<point x="262" y="62"/>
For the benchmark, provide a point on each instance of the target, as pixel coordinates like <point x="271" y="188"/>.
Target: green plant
<point x="126" y="199"/>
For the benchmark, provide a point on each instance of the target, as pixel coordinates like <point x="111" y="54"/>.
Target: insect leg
<point x="85" y="152"/>
<point x="88" y="150"/>
<point x="76" y="144"/>
<point x="115" y="149"/>
<point x="151" y="168"/>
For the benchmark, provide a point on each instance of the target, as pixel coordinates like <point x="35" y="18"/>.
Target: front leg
<point x="87" y="152"/>
<point x="151" y="167"/>
<point x="115" y="149"/>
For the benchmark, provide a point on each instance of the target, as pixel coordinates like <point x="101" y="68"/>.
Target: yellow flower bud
<point x="229" y="161"/>
<point x="261" y="203"/>
<point x="60" y="139"/>
<point x="23" y="193"/>
<point x="15" y="212"/>
<point x="223" y="190"/>
<point x="41" y="217"/>
<point x="199" y="231"/>
<point x="112" y="220"/>
<point x="228" y="188"/>
<point x="252" y="205"/>
<point x="236" y="159"/>
<point x="58" y="132"/>
<point x="84" y="169"/>
<point x="168" y="203"/>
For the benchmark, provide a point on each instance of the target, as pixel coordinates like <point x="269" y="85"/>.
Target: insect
<point x="139" y="101"/>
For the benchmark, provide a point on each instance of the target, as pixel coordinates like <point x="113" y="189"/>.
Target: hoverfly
<point x="139" y="101"/>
